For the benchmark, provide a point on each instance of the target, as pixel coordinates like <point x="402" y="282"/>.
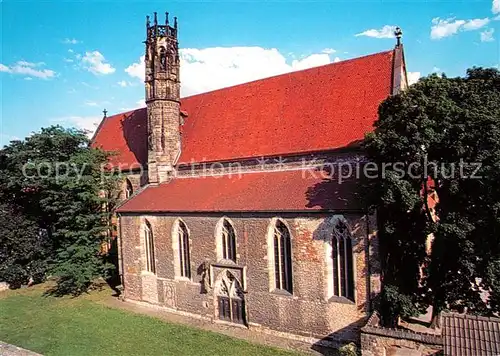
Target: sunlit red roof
<point x="296" y="190"/>
<point x="316" y="109"/>
<point x="125" y="135"/>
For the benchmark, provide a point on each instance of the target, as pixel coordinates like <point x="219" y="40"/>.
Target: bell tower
<point x="162" y="98"/>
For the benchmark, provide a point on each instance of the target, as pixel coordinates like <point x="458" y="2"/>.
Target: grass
<point x="83" y="326"/>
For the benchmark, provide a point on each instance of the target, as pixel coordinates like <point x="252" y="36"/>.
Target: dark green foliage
<point x="23" y="249"/>
<point x="451" y="127"/>
<point x="54" y="179"/>
<point x="395" y="304"/>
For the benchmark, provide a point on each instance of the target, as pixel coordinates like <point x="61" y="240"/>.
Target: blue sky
<point x="64" y="62"/>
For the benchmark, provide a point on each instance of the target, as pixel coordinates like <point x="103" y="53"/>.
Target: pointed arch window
<point x="230" y="299"/>
<point x="184" y="251"/>
<point x="228" y="241"/>
<point x="129" y="189"/>
<point x="282" y="257"/>
<point x="149" y="248"/>
<point x="163" y="58"/>
<point x="342" y="262"/>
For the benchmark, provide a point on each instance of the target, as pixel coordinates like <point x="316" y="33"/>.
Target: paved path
<point x="252" y="335"/>
<point x="11" y="350"/>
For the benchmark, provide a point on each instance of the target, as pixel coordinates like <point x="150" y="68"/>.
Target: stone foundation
<point x="379" y="341"/>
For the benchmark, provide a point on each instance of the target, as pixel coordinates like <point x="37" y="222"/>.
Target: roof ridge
<point x="471" y="316"/>
<point x="321" y="109"/>
<point x="343" y="62"/>
<point x="263" y="79"/>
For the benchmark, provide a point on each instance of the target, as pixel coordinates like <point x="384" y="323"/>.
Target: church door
<point x="230" y="299"/>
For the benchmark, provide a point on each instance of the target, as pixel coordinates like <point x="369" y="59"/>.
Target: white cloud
<point x="123" y="83"/>
<point x="328" y="51"/>
<point x="313" y="60"/>
<point x="138" y="104"/>
<point x="218" y="67"/>
<point x="95" y="63"/>
<point x="136" y="69"/>
<point x="68" y="60"/>
<point x="87" y="123"/>
<point x="28" y="69"/>
<point x="437" y="70"/>
<point x="487" y="35"/>
<point x="443" y="28"/>
<point x="30" y="64"/>
<point x="70" y="41"/>
<point x="336" y="60"/>
<point x="413" y="77"/>
<point x="448" y="27"/>
<point x="476" y="24"/>
<point x="495" y="6"/>
<point x="385" y="32"/>
<point x="90" y="103"/>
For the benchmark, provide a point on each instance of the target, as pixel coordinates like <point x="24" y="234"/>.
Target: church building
<point x="237" y="206"/>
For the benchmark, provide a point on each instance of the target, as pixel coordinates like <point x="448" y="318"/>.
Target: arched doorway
<point x="230" y="300"/>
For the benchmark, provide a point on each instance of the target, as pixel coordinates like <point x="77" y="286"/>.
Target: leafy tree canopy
<point x="54" y="184"/>
<point x="441" y="134"/>
<point x="23" y="249"/>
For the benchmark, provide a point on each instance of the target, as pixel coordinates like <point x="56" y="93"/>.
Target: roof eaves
<point x="134" y="194"/>
<point x="280" y="211"/>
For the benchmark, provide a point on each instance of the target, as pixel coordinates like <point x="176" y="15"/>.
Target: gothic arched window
<point x="171" y="56"/>
<point x="163" y="58"/>
<point x="342" y="262"/>
<point x="282" y="257"/>
<point x="183" y="250"/>
<point x="227" y="241"/>
<point x="149" y="248"/>
<point x="230" y="299"/>
<point x="129" y="190"/>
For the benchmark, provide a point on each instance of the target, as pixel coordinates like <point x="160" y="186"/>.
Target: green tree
<point x="56" y="180"/>
<point x="451" y="128"/>
<point x="23" y="249"/>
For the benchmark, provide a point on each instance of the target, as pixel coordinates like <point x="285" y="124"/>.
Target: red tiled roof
<point x="470" y="335"/>
<point x="316" y="109"/>
<point x="264" y="191"/>
<point x="125" y="135"/>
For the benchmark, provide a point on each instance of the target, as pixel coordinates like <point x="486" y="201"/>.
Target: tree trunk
<point x="436" y="317"/>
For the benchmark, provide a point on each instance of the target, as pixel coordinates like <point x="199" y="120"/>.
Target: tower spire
<point x="162" y="98"/>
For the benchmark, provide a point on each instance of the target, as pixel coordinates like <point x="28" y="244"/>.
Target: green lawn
<point x="82" y="326"/>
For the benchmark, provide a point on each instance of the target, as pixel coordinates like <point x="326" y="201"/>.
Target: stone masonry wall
<point x="379" y="341"/>
<point x="378" y="345"/>
<point x="310" y="311"/>
<point x="164" y="141"/>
